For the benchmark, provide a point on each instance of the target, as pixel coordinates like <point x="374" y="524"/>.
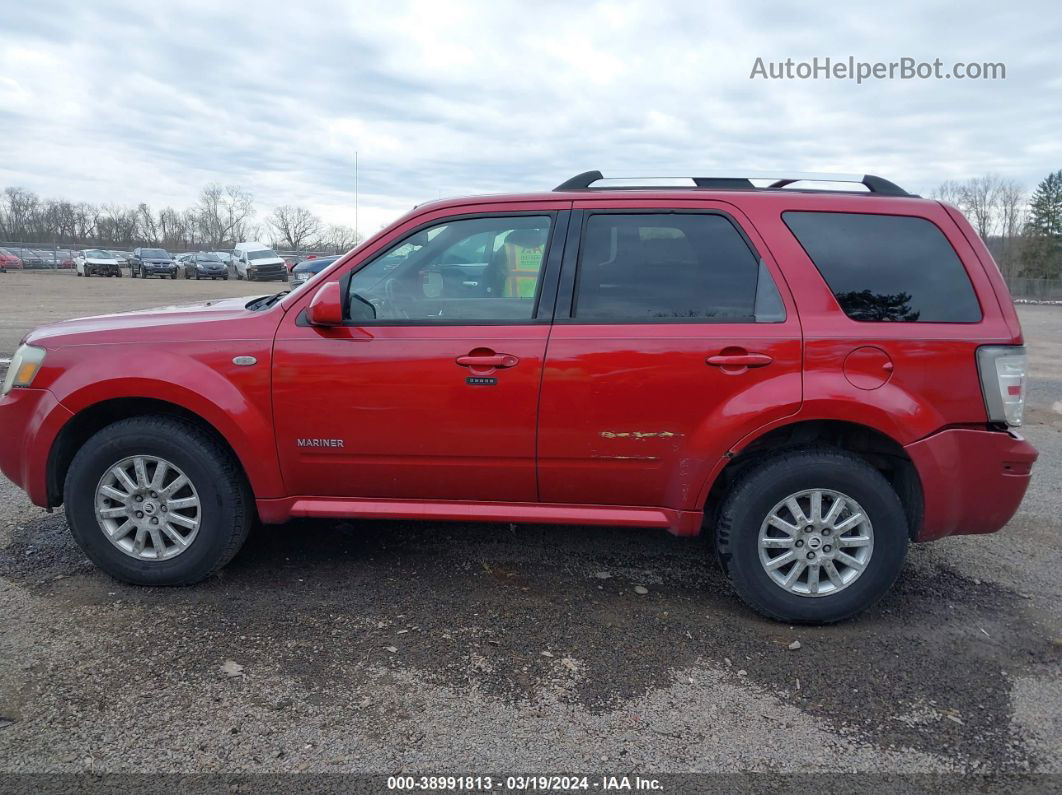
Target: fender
<point x="891" y="410"/>
<point x="202" y="379"/>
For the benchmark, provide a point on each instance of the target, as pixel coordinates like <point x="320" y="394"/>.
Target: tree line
<point x="222" y="216"/>
<point x="1023" y="232"/>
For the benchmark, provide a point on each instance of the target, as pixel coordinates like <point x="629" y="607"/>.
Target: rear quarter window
<point x="887" y="267"/>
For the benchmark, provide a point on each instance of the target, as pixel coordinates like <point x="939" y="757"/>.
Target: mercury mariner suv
<point x="817" y="377"/>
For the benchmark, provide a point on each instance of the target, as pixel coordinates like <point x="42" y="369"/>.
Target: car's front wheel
<point x="812" y="536"/>
<point x="157" y="501"/>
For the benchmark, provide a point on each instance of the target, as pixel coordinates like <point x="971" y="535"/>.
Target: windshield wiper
<point x="266" y="301"/>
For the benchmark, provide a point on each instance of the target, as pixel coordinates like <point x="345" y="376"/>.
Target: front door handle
<point x="739" y="360"/>
<point x="485" y="360"/>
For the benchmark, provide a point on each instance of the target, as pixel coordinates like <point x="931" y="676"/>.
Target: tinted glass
<point x="154" y="253"/>
<point x="478" y="270"/>
<point x="665" y="267"/>
<point x="887" y="267"/>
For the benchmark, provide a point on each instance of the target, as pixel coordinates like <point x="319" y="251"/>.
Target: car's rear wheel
<point x="157" y="501"/>
<point x="813" y="536"/>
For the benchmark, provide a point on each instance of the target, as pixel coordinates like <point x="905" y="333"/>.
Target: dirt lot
<point x="384" y="647"/>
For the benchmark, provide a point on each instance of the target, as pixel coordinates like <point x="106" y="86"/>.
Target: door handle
<point x="498" y="360"/>
<point x="739" y="360"/>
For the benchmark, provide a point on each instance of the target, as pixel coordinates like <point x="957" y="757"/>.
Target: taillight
<point x="1002" y="369"/>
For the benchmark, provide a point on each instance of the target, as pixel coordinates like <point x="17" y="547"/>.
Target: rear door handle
<point x="498" y="360"/>
<point x="739" y="360"/>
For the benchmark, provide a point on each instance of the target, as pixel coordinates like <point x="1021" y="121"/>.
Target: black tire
<point x="755" y="494"/>
<point x="77" y="272"/>
<point x="224" y="278"/>
<point x="226" y="500"/>
<point x="173" y="275"/>
<point x="132" y="272"/>
<point x="197" y="275"/>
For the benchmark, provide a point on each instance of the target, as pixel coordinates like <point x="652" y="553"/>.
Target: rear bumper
<point x="972" y="480"/>
<point x="30" y="419"/>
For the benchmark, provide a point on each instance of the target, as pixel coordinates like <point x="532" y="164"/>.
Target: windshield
<point x="262" y="255"/>
<point x="95" y="253"/>
<point x="208" y="258"/>
<point x="154" y="253"/>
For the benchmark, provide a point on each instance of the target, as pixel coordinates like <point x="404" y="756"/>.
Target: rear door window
<point x="887" y="267"/>
<point x="671" y="268"/>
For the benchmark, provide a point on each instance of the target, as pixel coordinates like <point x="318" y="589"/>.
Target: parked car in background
<point x="258" y="262"/>
<point x="32" y="258"/>
<point x="9" y="260"/>
<point x="96" y="262"/>
<point x="308" y="268"/>
<point x="203" y="265"/>
<point x="122" y="257"/>
<point x="152" y="262"/>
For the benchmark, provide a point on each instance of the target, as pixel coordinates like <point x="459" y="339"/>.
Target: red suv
<point x="817" y="376"/>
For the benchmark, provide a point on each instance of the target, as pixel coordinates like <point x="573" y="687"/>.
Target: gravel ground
<point x="463" y="648"/>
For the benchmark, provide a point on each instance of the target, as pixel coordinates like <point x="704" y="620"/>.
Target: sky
<point x="111" y="101"/>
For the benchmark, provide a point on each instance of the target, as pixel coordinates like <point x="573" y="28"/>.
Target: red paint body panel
<point x="29" y="421"/>
<point x="410" y="425"/>
<point x="634" y="414"/>
<point x="973" y="481"/>
<point x="680" y="522"/>
<point x="612" y="424"/>
<point x="180" y="355"/>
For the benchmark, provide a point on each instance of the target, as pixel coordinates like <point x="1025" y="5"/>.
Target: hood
<point x="187" y="321"/>
<point x="267" y="261"/>
<point x="102" y="260"/>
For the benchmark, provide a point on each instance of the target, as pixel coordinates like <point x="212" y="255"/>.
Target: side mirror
<point x="326" y="308"/>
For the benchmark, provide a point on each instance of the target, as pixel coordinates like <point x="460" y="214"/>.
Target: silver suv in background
<point x="258" y="262"/>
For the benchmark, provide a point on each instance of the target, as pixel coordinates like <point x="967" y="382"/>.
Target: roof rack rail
<point x="873" y="184"/>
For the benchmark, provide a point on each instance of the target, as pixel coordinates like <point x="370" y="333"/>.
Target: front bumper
<point x="30" y="420"/>
<point x="275" y="271"/>
<point x="153" y="268"/>
<point x="972" y="480"/>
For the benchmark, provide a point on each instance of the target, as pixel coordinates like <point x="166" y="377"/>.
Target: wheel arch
<point x="871" y="444"/>
<point x="96" y="416"/>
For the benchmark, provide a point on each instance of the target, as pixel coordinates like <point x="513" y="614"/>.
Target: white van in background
<point x="256" y="261"/>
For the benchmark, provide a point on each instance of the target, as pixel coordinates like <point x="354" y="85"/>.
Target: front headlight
<point x="23" y="369"/>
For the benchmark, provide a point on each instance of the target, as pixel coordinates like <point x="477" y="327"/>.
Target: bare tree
<point x="224" y="213"/>
<point x="981" y="199"/>
<point x="949" y="191"/>
<point x="20" y="209"/>
<point x="338" y="238"/>
<point x="295" y="226"/>
<point x="1012" y="208"/>
<point x="148" y="226"/>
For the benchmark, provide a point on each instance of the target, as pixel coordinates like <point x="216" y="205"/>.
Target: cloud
<point x="127" y="102"/>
